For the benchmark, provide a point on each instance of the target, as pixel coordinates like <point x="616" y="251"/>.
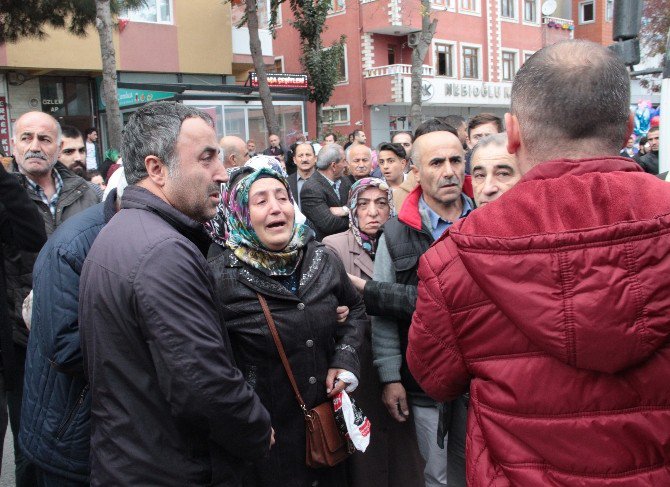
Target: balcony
<point x="391" y="17"/>
<point x="396" y="69"/>
<point x="555" y="29"/>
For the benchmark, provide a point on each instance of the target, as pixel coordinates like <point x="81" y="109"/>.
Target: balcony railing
<point x="394" y="69"/>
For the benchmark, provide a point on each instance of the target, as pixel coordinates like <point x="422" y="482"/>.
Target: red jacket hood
<point x="409" y="212"/>
<point x="576" y="256"/>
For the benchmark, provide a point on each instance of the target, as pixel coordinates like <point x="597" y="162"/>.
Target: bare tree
<point x="419" y="51"/>
<point x="251" y="17"/>
<point x="104" y="25"/>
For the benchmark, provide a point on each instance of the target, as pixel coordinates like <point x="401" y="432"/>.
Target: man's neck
<point x="305" y="174"/>
<point x="328" y="174"/>
<point x="46" y="182"/>
<point x="395" y="184"/>
<point x="448" y="212"/>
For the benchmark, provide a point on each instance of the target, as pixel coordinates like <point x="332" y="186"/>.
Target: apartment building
<point x="476" y="50"/>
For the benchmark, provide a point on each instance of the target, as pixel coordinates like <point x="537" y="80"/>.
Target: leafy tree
<point x="655" y="25"/>
<point x="321" y="64"/>
<point x="418" y="56"/>
<point x="29" y="18"/>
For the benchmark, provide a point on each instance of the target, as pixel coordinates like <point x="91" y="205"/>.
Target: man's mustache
<point x="35" y="155"/>
<point x="451" y="180"/>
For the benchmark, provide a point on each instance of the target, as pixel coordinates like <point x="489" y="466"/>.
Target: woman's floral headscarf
<point x="243" y="240"/>
<point x="367" y="243"/>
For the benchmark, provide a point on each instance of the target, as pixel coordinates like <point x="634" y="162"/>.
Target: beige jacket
<point x="356" y="261"/>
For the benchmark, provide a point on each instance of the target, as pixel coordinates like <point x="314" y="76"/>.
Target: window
<point x="391" y="54"/>
<point x="155" y="11"/>
<point x="444" y="60"/>
<point x="610" y="10"/>
<point x="442" y="4"/>
<point x="508" y="65"/>
<point x="344" y="72"/>
<point x="507" y="9"/>
<point x="587" y="12"/>
<point x="530" y="11"/>
<point x="470" y="62"/>
<point x="470" y="5"/>
<point x="526" y="56"/>
<point x="279" y="64"/>
<point x="337" y="6"/>
<point x="338" y="115"/>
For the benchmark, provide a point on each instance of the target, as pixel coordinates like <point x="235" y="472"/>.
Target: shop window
<point x="587" y="12"/>
<point x="444" y="60"/>
<point x="470" y="62"/>
<point x="338" y="115"/>
<point x="508" y="9"/>
<point x="508" y="65"/>
<point x="530" y="11"/>
<point x="68" y="99"/>
<point x="154" y="11"/>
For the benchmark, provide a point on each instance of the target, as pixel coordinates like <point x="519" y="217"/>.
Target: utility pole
<point x="664" y="133"/>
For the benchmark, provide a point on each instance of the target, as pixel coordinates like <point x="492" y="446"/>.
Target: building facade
<point x="159" y="47"/>
<point x="477" y="48"/>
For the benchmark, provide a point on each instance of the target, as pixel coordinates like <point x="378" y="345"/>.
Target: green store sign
<point x="128" y="97"/>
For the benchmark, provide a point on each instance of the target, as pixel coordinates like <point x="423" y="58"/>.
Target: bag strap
<point x="280" y="349"/>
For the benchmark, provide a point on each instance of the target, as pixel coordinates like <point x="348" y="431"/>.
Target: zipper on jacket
<point x="73" y="410"/>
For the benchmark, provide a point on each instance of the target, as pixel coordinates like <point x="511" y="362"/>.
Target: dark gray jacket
<point x="168" y="405"/>
<point x="316" y="199"/>
<point x="313" y="340"/>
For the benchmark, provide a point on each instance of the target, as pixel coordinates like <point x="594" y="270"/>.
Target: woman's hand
<point x="333" y="388"/>
<point x="342" y="313"/>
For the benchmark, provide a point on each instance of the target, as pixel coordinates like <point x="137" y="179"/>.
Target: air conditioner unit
<point x="413" y="39"/>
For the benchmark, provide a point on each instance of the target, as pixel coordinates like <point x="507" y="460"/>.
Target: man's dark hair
<point x="153" y="131"/>
<point x="397" y="149"/>
<point x="90" y="130"/>
<point x="656" y="128"/>
<point x="433" y="125"/>
<point x="71" y="132"/>
<point x="88" y="175"/>
<point x="295" y="149"/>
<point x="454" y="120"/>
<point x="355" y="132"/>
<point x="573" y="95"/>
<point x="328" y="134"/>
<point x="483" y="119"/>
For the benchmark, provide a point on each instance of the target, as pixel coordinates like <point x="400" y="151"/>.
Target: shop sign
<point x="282" y="80"/>
<point x="475" y="93"/>
<point x="128" y="97"/>
<point x="4" y="126"/>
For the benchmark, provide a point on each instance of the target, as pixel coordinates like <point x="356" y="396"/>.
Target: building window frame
<point x="534" y="7"/>
<point x="134" y="15"/>
<point x="345" y="80"/>
<point x="505" y="14"/>
<point x="513" y="68"/>
<point x="526" y="55"/>
<point x="582" y="6"/>
<point x="337" y="108"/>
<point x="453" y="55"/>
<point x="337" y="7"/>
<point x="282" y="65"/>
<point x="479" y="64"/>
<point x="443" y="5"/>
<point x="470" y="7"/>
<point x="609" y="10"/>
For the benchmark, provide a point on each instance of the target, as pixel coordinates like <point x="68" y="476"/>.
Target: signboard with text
<point x="282" y="80"/>
<point x="461" y="92"/>
<point x="4" y="126"/>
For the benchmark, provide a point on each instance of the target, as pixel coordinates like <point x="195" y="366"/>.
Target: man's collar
<point x="435" y="218"/>
<point x="55" y="176"/>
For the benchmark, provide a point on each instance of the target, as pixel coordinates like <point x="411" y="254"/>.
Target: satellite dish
<point x="549" y="7"/>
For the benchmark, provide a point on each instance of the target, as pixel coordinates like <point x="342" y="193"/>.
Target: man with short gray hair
<point x="324" y="195"/>
<point x="556" y="320"/>
<point x="173" y="409"/>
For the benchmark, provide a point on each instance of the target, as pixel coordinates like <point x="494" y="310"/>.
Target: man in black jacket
<point x="168" y="406"/>
<point x="324" y="195"/>
<point x="21" y="229"/>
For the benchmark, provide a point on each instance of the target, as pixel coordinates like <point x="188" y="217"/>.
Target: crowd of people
<point x="491" y="294"/>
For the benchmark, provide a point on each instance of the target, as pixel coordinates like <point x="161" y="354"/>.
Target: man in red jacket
<point x="551" y="303"/>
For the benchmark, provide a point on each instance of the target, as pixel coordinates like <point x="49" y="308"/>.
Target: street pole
<point x="664" y="133"/>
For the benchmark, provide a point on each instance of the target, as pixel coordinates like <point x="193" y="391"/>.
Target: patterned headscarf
<point x="243" y="240"/>
<point x="367" y="243"/>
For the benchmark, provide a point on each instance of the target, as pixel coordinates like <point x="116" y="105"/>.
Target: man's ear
<point x="415" y="170"/>
<point x="629" y="129"/>
<point x="156" y="170"/>
<point x="513" y="136"/>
